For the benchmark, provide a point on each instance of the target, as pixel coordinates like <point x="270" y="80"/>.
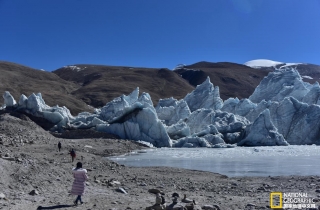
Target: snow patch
<point x="73" y="68"/>
<point x="262" y="63"/>
<point x="306" y="77"/>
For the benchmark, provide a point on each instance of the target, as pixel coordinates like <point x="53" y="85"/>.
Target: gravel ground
<point x="30" y="160"/>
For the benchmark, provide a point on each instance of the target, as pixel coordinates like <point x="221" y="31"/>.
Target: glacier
<point x="282" y="110"/>
<point x="280" y="84"/>
<point x="204" y="96"/>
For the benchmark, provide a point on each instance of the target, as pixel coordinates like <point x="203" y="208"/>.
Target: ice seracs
<point x="298" y="122"/>
<point x="23" y="101"/>
<point x="140" y="125"/>
<point x="313" y="96"/>
<point x="120" y="106"/>
<point x="204" y="96"/>
<point x="35" y="105"/>
<point x="8" y="99"/>
<point x="171" y="110"/>
<point x="280" y="84"/>
<point x="133" y="117"/>
<point x="263" y="133"/>
<point x="282" y="110"/>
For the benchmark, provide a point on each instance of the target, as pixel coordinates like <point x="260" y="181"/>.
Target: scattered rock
<point x="34" y="192"/>
<point x="155" y="191"/>
<point x="9" y="158"/>
<point x="114" y="183"/>
<point x="120" y="189"/>
<point x="209" y="207"/>
<point x="251" y="204"/>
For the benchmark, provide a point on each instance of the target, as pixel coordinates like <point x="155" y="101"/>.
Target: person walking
<point x="78" y="186"/>
<point x="59" y="146"/>
<point x="73" y="155"/>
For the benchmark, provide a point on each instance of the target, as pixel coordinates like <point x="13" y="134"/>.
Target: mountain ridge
<point x="83" y="85"/>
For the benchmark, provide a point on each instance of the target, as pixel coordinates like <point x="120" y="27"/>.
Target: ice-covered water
<point x="239" y="161"/>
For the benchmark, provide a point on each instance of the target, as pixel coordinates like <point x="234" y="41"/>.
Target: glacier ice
<point x="140" y="125"/>
<point x="192" y="142"/>
<point x="240" y="107"/>
<point x="313" y="96"/>
<point x="263" y="133"/>
<point x="204" y="96"/>
<point x="23" y="101"/>
<point x="134" y="117"/>
<point x="178" y="130"/>
<point x="171" y="110"/>
<point x="298" y="122"/>
<point x="279" y="84"/>
<point x="8" y="99"/>
<point x="282" y="110"/>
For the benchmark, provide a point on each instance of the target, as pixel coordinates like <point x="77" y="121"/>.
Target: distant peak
<point x="262" y="63"/>
<point x="268" y="63"/>
<point x="74" y="68"/>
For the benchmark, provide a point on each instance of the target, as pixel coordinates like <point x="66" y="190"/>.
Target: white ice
<point x="240" y="161"/>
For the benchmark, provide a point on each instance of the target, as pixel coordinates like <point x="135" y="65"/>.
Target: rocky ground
<point x="30" y="161"/>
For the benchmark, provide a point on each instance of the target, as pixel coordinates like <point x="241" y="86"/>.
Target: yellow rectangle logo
<point x="276" y="196"/>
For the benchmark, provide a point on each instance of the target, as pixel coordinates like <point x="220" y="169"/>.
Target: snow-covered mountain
<point x="309" y="72"/>
<point x="265" y="63"/>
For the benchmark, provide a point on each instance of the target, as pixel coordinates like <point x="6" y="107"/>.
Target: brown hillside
<point x="100" y="84"/>
<point x="234" y="80"/>
<point x="18" y="79"/>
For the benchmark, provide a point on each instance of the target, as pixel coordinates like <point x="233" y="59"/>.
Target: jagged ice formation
<point x="282" y="110"/>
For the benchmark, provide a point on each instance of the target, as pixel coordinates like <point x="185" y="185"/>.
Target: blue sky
<point x="48" y="34"/>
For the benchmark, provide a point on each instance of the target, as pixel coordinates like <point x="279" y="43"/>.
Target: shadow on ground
<point x="55" y="207"/>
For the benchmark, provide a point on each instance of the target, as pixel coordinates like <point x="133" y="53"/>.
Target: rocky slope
<point x="100" y="84"/>
<point x="19" y="79"/>
<point x="234" y="80"/>
<point x="35" y="175"/>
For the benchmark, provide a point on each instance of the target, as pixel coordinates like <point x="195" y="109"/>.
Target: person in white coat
<point x="78" y="186"/>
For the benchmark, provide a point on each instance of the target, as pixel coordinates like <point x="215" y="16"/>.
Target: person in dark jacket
<point x="72" y="154"/>
<point x="59" y="146"/>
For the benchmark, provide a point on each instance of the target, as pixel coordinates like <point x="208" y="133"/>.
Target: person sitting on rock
<point x="73" y="155"/>
<point x="80" y="177"/>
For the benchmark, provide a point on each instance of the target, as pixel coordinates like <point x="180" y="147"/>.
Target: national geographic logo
<point x="276" y="200"/>
<point x="280" y="200"/>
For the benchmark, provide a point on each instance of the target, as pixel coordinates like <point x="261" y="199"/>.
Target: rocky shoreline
<point x="35" y="175"/>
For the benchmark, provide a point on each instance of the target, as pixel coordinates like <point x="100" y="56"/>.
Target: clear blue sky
<point x="48" y="34"/>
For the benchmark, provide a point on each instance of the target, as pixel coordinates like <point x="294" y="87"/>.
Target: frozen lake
<point x="239" y="161"/>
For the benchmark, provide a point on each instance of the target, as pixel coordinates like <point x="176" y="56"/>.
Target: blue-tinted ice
<point x="239" y="161"/>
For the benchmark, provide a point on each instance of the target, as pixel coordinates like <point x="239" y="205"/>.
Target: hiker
<point x="80" y="177"/>
<point x="59" y="146"/>
<point x="73" y="154"/>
